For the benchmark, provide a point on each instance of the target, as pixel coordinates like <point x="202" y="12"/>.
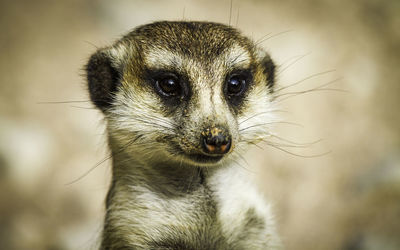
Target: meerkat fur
<point x="182" y="102"/>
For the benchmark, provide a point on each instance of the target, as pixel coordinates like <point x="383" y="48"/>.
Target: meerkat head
<point x="185" y="92"/>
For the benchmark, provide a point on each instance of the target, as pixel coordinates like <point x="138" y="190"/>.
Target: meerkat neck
<point x="161" y="177"/>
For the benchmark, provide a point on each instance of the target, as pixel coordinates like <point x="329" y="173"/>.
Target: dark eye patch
<point x="236" y="85"/>
<point x="171" y="86"/>
<point x="168" y="85"/>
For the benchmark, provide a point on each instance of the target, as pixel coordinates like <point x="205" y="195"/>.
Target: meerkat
<point x="182" y="101"/>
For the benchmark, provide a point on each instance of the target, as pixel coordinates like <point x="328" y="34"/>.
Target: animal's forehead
<point x="232" y="57"/>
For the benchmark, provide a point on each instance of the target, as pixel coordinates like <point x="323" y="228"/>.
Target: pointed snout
<point x="216" y="141"/>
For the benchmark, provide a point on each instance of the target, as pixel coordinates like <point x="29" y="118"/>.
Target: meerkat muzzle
<point x="216" y="140"/>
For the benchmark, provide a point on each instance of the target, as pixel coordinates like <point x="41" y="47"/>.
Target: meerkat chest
<point x="244" y="215"/>
<point x="221" y="214"/>
<point x="164" y="221"/>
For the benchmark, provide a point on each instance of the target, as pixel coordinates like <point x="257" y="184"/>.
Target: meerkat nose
<point x="216" y="140"/>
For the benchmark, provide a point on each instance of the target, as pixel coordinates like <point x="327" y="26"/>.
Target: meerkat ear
<point x="268" y="67"/>
<point x="269" y="71"/>
<point x="103" y="79"/>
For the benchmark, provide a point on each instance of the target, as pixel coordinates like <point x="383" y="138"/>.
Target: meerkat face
<point x="188" y="92"/>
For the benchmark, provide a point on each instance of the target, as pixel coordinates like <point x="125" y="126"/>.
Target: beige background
<point x="346" y="199"/>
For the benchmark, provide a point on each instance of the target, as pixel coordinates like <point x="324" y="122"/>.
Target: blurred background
<point x="341" y="192"/>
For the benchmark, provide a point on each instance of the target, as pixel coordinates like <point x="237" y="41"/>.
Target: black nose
<point x="216" y="140"/>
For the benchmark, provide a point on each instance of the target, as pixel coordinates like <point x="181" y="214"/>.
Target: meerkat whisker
<point x="281" y="70"/>
<point x="298" y="155"/>
<point x="303" y="80"/>
<point x="269" y="36"/>
<point x="64" y="102"/>
<point x="296" y="143"/>
<point x="269" y="123"/>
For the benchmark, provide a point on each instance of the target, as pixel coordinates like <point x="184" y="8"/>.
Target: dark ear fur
<point x="103" y="79"/>
<point x="269" y="70"/>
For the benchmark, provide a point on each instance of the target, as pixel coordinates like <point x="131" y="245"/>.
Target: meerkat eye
<point x="168" y="85"/>
<point x="236" y="84"/>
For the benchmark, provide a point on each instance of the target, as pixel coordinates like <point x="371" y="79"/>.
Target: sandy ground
<point x="348" y="198"/>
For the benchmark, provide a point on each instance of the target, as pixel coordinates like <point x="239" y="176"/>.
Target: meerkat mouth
<point x="201" y="158"/>
<point x="198" y="157"/>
